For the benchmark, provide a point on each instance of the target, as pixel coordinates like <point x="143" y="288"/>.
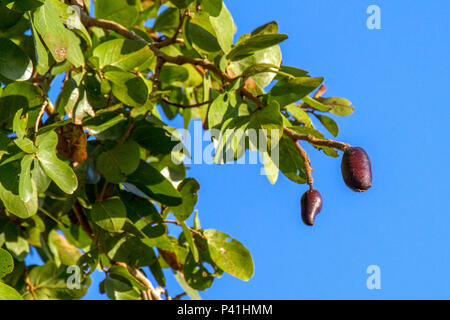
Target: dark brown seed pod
<point x="311" y="204"/>
<point x="356" y="169"/>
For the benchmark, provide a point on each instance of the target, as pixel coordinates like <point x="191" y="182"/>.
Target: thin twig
<point x="306" y="164"/>
<point x="179" y="296"/>
<point x="156" y="74"/>
<point x="251" y="97"/>
<point x="40" y="115"/>
<point x="173" y="39"/>
<point x="127" y="132"/>
<point x="190" y="229"/>
<point x="79" y="213"/>
<point x="140" y="276"/>
<point x="313" y="140"/>
<point x="320" y="92"/>
<point x="186" y="106"/>
<point x="89" y="21"/>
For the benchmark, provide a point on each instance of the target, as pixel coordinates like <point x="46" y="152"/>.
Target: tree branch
<point x="89" y="21"/>
<point x="140" y="276"/>
<point x="186" y="106"/>
<point x="313" y="140"/>
<point x="306" y="164"/>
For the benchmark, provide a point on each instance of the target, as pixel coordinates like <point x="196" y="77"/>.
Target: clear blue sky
<point x="398" y="80"/>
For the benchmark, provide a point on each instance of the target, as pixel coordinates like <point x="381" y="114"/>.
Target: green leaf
<point x="20" y="95"/>
<point x="181" y="4"/>
<point x="26" y="5"/>
<point x="9" y="17"/>
<point x="117" y="163"/>
<point x="110" y="214"/>
<point x="128" y="88"/>
<point x="291" y="164"/>
<point x="25" y="184"/>
<point x="60" y="172"/>
<point x="14" y="63"/>
<point x="15" y="243"/>
<point x="63" y="251"/>
<point x="192" y="293"/>
<point x="39" y="177"/>
<point x="259" y="131"/>
<point x="290" y="72"/>
<point x="102" y="122"/>
<point x="213" y="7"/>
<point x="299" y="115"/>
<point x="62" y="42"/>
<point x="118" y="10"/>
<point x="258" y="65"/>
<point x="68" y="97"/>
<point x="329" y="124"/>
<point x="254" y="44"/>
<point x="224" y="28"/>
<point x="202" y="37"/>
<point x="153" y="184"/>
<point x="51" y="283"/>
<point x="20" y="124"/>
<point x="339" y="106"/>
<point x="220" y="110"/>
<point x="190" y="241"/>
<point x="155" y="139"/>
<point x="134" y="252"/>
<point x="6" y="264"/>
<point x="196" y="275"/>
<point x="268" y="28"/>
<point x="121" y="285"/>
<point x="188" y="191"/>
<point x="9" y="192"/>
<point x="122" y="53"/>
<point x="313" y="103"/>
<point x="229" y="254"/>
<point x="25" y="145"/>
<point x="167" y="21"/>
<point x="288" y="91"/>
<point x="82" y="108"/>
<point x="8" y="293"/>
<point x="72" y="20"/>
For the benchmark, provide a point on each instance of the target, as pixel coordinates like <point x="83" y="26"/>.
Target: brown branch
<point x="251" y="97"/>
<point x="156" y="74"/>
<point x="89" y="21"/>
<point x="306" y="164"/>
<point x="127" y="132"/>
<point x="141" y="277"/>
<point x="41" y="114"/>
<point x="79" y="213"/>
<point x="313" y="140"/>
<point x="173" y="39"/>
<point x="190" y="229"/>
<point x="320" y="92"/>
<point x="179" y="296"/>
<point x="186" y="106"/>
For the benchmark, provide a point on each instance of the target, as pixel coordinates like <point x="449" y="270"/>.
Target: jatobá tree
<point x="91" y="182"/>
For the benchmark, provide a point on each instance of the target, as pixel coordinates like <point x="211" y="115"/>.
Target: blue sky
<point x="397" y="78"/>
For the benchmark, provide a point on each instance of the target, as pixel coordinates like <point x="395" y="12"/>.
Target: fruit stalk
<point x="306" y="164"/>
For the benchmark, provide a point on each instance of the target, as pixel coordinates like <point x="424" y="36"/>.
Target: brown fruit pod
<point x="311" y="205"/>
<point x="72" y="142"/>
<point x="356" y="169"/>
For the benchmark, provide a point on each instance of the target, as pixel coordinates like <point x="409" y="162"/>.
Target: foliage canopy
<point x="89" y="181"/>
